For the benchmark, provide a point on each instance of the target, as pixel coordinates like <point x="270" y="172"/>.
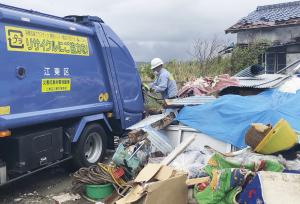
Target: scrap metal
<point x="263" y="81"/>
<point x="158" y="140"/>
<point x="193" y="100"/>
<point x="250" y="71"/>
<point x="148" y="128"/>
<point x="156" y="121"/>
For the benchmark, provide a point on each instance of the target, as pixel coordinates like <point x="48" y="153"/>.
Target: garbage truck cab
<point x="67" y="86"/>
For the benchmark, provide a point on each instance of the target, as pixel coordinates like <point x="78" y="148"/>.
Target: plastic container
<point x="98" y="192"/>
<point x="256" y="133"/>
<point x="281" y="137"/>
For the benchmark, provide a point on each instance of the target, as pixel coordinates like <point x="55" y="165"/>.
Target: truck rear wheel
<point x="91" y="147"/>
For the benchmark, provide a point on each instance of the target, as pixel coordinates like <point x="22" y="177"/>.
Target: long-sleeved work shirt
<point x="165" y="84"/>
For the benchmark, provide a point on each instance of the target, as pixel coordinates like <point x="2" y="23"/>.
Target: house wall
<point x="282" y="34"/>
<point x="290" y="58"/>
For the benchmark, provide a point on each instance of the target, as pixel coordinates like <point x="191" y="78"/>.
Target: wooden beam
<point x="195" y="181"/>
<point x="178" y="150"/>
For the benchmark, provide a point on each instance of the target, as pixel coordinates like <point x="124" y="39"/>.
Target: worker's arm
<point x="161" y="84"/>
<point x="151" y="85"/>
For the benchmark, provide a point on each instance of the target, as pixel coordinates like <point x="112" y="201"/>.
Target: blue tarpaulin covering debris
<point x="229" y="117"/>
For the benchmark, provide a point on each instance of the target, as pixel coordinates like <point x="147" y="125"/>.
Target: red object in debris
<point x="118" y="172"/>
<point x="206" y="85"/>
<point x="202" y="186"/>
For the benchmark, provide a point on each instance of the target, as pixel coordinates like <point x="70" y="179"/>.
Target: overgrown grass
<point x="185" y="71"/>
<point x="240" y="58"/>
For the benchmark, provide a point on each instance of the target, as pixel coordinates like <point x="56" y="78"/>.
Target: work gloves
<point x="147" y="88"/>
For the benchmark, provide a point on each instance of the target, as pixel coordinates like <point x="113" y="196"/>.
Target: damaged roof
<point x="275" y="15"/>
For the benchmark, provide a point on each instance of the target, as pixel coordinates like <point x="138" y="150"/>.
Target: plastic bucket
<point x="281" y="137"/>
<point x="98" y="192"/>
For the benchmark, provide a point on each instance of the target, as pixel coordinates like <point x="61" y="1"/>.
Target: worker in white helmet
<point x="164" y="82"/>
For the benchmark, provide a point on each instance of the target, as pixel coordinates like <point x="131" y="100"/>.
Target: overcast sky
<point x="156" y="28"/>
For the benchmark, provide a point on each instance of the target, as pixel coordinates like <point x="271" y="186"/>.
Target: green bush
<point x="245" y="56"/>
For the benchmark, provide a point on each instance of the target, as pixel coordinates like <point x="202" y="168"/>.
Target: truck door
<point x="128" y="79"/>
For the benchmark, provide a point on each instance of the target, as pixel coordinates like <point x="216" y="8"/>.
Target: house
<point x="279" y="25"/>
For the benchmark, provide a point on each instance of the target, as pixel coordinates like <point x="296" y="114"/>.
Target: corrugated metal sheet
<point x="158" y="140"/>
<point x="263" y="81"/>
<point x="149" y="121"/>
<point x="250" y="71"/>
<point x="291" y="69"/>
<point x="245" y="73"/>
<point x="193" y="100"/>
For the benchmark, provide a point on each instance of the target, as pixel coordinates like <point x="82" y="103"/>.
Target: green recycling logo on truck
<point x="28" y="40"/>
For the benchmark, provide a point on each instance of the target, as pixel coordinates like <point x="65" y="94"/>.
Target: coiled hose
<point x="97" y="174"/>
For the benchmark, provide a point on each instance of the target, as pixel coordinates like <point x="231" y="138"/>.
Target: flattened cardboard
<point x="164" y="173"/>
<point x="169" y="189"/>
<point x="147" y="173"/>
<point x="134" y="195"/>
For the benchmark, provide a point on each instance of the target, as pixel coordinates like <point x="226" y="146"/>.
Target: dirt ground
<point x="39" y="188"/>
<point x="50" y="186"/>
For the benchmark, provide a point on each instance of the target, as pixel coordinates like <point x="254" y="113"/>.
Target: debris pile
<point x="231" y="149"/>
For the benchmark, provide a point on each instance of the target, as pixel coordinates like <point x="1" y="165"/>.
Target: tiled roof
<point x="268" y="16"/>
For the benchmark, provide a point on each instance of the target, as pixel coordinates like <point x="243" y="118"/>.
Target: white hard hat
<point x="156" y="62"/>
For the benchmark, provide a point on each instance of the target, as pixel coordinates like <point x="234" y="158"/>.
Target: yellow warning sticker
<point x="103" y="97"/>
<point x="4" y="110"/>
<point x="56" y="85"/>
<point x="28" y="40"/>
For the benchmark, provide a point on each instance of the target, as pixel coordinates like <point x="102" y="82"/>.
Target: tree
<point x="204" y="50"/>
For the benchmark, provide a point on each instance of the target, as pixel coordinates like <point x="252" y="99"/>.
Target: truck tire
<point x="91" y="147"/>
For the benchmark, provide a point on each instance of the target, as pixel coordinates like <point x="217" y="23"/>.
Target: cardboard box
<point x="158" y="184"/>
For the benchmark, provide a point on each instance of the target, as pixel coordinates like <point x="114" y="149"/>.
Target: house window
<point x="281" y="61"/>
<point x="270" y="63"/>
<point x="274" y="62"/>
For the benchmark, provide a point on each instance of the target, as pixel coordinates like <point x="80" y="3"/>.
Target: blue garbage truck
<point x="67" y="86"/>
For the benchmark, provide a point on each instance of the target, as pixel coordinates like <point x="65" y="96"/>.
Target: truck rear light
<point x="5" y="133"/>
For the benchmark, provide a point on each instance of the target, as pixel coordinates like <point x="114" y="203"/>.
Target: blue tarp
<point x="229" y="117"/>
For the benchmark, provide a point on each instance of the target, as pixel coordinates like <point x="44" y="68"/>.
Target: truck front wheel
<point x="91" y="147"/>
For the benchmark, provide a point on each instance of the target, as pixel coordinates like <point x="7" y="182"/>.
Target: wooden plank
<point x="178" y="150"/>
<point x="194" y="181"/>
